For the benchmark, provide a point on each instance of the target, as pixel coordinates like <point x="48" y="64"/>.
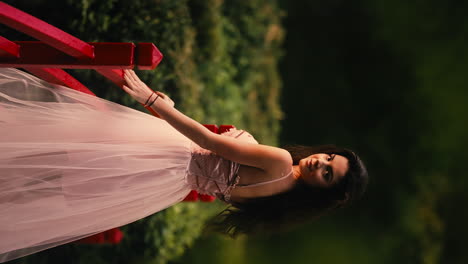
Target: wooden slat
<point x="37" y="54"/>
<point x="114" y="75"/>
<point x="45" y="32"/>
<point x="8" y="49"/>
<point x="60" y="77"/>
<point x="148" y="56"/>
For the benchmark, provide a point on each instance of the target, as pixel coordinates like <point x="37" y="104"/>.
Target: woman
<point x="72" y="165"/>
<point x="304" y="181"/>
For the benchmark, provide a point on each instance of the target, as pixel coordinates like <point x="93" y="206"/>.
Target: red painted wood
<point x="114" y="75"/>
<point x="43" y="31"/>
<point x="148" y="56"/>
<point x="8" y="49"/>
<point x="152" y="112"/>
<point x="39" y="54"/>
<point x="60" y="77"/>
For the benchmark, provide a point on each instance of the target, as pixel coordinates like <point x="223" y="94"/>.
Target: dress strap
<point x="264" y="183"/>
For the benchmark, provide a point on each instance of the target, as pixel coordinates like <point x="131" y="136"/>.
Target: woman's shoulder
<point x="285" y="158"/>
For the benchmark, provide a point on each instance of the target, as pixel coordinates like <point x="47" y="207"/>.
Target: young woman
<point x="72" y="165"/>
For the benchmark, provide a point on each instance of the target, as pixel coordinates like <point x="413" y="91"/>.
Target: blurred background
<point x="387" y="79"/>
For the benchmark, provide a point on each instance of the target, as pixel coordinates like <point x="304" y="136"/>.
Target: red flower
<point x="206" y="198"/>
<point x="94" y="239"/>
<point x="191" y="197"/>
<point x="113" y="236"/>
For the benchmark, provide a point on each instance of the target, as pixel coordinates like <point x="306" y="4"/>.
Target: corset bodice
<point x="212" y="174"/>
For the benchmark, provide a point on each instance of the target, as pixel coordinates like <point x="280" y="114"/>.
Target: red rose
<point x="113" y="236"/>
<point x="191" y="197"/>
<point x="206" y="198"/>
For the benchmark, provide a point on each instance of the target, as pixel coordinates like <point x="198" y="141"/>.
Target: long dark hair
<point x="297" y="205"/>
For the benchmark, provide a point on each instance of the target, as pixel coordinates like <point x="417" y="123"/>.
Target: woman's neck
<point x="296" y="172"/>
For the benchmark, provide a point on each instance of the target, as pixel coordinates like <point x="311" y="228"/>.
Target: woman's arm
<point x="255" y="155"/>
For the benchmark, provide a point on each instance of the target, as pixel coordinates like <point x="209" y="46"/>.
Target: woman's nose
<point x="317" y="163"/>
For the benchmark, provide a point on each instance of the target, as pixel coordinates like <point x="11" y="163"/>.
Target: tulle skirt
<point x="72" y="165"/>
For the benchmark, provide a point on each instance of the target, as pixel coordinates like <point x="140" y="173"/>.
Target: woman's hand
<point x="165" y="98"/>
<point x="135" y="87"/>
<point x="139" y="90"/>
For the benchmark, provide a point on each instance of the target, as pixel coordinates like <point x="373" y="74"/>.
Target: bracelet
<point x="146" y="103"/>
<point x="153" y="101"/>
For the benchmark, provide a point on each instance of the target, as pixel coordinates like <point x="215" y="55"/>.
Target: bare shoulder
<point x="282" y="158"/>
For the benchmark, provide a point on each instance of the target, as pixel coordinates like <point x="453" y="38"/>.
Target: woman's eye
<point x="326" y="176"/>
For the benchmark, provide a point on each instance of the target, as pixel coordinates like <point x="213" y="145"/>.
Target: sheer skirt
<point x="72" y="165"/>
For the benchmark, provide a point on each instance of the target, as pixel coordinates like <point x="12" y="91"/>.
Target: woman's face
<point x="323" y="170"/>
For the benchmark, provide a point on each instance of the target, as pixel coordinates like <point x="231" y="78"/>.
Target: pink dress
<point x="73" y="165"/>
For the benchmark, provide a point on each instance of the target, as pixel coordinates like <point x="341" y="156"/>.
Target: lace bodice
<point x="211" y="174"/>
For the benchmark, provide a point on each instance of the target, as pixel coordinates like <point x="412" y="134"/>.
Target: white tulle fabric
<point x="72" y="165"/>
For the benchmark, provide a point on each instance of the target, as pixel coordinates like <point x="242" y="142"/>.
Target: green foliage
<point x="220" y="66"/>
<point x="421" y="224"/>
<point x="237" y="51"/>
<point x="436" y="46"/>
<point x="221" y="57"/>
<point x="167" y="234"/>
